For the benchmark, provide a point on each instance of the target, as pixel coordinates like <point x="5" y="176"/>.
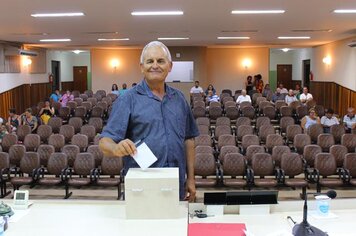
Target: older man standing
<point x="157" y="114"/>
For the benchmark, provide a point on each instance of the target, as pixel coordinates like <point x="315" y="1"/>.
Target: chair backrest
<point x="349" y="141"/>
<point x="292" y="131"/>
<point x="286" y="111"/>
<point x="314" y="130"/>
<point x="199" y="112"/>
<point x="278" y="104"/>
<point x="273" y="140"/>
<point x="55" y="123"/>
<point x="56" y="163"/>
<point x="270" y="112"/>
<point x="223" y="121"/>
<point x="277" y="153"/>
<point x="84" y="163"/>
<point x="22" y="131"/>
<point x="250" y="139"/>
<point x="215" y="112"/>
<point x="259" y="100"/>
<point x="72" y="105"/>
<point x="71" y="151"/>
<point x="67" y="131"/>
<point x="294" y="105"/>
<point x="232" y="112"/>
<point x="302" y="111"/>
<point x="78" y="100"/>
<point x="248" y="111"/>
<point x="300" y="141"/>
<point x="292" y="164"/>
<point x="29" y="162"/>
<point x="325" y="141"/>
<point x="262" y="164"/>
<point x="111" y="166"/>
<point x="204" y="129"/>
<point x="339" y="152"/>
<point x="44" y="131"/>
<point x="97" y="153"/>
<point x="204" y="149"/>
<point x="350" y="163"/>
<point x="92" y="100"/>
<point x="234" y="165"/>
<point x="16" y="153"/>
<point x="221" y="130"/>
<point x="204" y="164"/>
<point x="226" y="150"/>
<point x="97" y="111"/>
<point x="203" y="140"/>
<point x="262" y="120"/>
<point x="32" y="142"/>
<point x="89" y="93"/>
<point x="89" y="131"/>
<point x="107" y="100"/>
<point x="199" y="104"/>
<point x="214" y="104"/>
<point x="310" y="152"/>
<point x="243" y="121"/>
<point x="203" y="121"/>
<point x="243" y="130"/>
<point x="81" y="141"/>
<point x="97" y="123"/>
<point x="285" y="122"/>
<point x="7" y="141"/>
<point x="103" y="104"/>
<point x="266" y="130"/>
<point x="84" y="97"/>
<point x="252" y="150"/>
<point x="57" y="141"/>
<point x="81" y="112"/>
<point x="87" y="105"/>
<point x="44" y="151"/>
<point x="337" y="131"/>
<point x="76" y="122"/>
<point x="4" y="160"/>
<point x="325" y="163"/>
<point x="226" y="139"/>
<point x="320" y="110"/>
<point x="245" y="104"/>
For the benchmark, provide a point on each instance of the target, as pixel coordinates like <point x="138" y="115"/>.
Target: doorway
<point x="56" y="69"/>
<point x="306" y="73"/>
<point x="80" y="78"/>
<point x="284" y="75"/>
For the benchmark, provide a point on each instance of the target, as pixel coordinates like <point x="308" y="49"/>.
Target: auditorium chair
<point x="228" y="91"/>
<point x="226" y="150"/>
<point x="57" y="141"/>
<point x="254" y="97"/>
<point x="78" y="100"/>
<point x="76" y="122"/>
<point x="71" y="152"/>
<point x="97" y="123"/>
<point x="224" y="140"/>
<point x="199" y="112"/>
<point x="339" y="152"/>
<point x="300" y="141"/>
<point x="32" y="142"/>
<point x="101" y="92"/>
<point x="7" y="141"/>
<point x="44" y="151"/>
<point x="349" y="141"/>
<point x="64" y="113"/>
<point x="93" y="101"/>
<point x="234" y="166"/>
<point x="80" y="112"/>
<point x="278" y="104"/>
<point x="16" y="153"/>
<point x="72" y="105"/>
<point x="277" y="153"/>
<point x="263" y="103"/>
<point x="44" y="131"/>
<point x="324" y="171"/>
<point x="337" y="131"/>
<point x="310" y="104"/>
<point x="89" y="93"/>
<point x="302" y="111"/>
<point x="214" y="113"/>
<point x="84" y="97"/>
<point x="223" y="121"/>
<point x="110" y="173"/>
<point x="29" y="165"/>
<point x="97" y="96"/>
<point x="243" y="130"/>
<point x="262" y="166"/>
<point x="97" y="111"/>
<point x="285" y="111"/>
<point x="243" y="121"/>
<point x="67" y="131"/>
<point x="107" y="100"/>
<point x="262" y="120"/>
<point x="231" y="111"/>
<point x="349" y="167"/>
<point x="55" y="123"/>
<point x="83" y="172"/>
<point x="56" y="106"/>
<point x="205" y="166"/>
<point x="204" y="129"/>
<point x="310" y="152"/>
<point x="252" y="150"/>
<point x="228" y="101"/>
<point x="204" y="149"/>
<point x="87" y="106"/>
<point x="22" y="131"/>
<point x="247" y="140"/>
<point x="203" y="140"/>
<point x="325" y="141"/>
<point x="284" y="122"/>
<point x="270" y="112"/>
<point x="75" y="94"/>
<point x="221" y="130"/>
<point x="89" y="131"/>
<point x="112" y="96"/>
<point x="199" y="104"/>
<point x="225" y="95"/>
<point x="259" y="100"/>
<point x="103" y="105"/>
<point x="294" y="105"/>
<point x="320" y="110"/>
<point x="4" y="173"/>
<point x="273" y="140"/>
<point x="264" y="131"/>
<point x="244" y="104"/>
<point x="97" y="153"/>
<point x="313" y="131"/>
<point x="203" y="121"/>
<point x="81" y="141"/>
<point x="247" y="111"/>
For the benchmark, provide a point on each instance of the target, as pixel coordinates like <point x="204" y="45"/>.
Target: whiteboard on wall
<point x="182" y="71"/>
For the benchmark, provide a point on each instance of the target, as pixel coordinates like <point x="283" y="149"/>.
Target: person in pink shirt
<point x="66" y="98"/>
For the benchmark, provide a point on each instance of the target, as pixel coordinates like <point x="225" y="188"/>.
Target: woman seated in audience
<point x="290" y="97"/>
<point x="66" y="98"/>
<point x="249" y="84"/>
<point x="210" y="87"/>
<point x="14" y="120"/>
<point x="115" y="89"/>
<point x="30" y="120"/>
<point x="56" y="96"/>
<point x="211" y="97"/>
<point x="309" y="120"/>
<point x="46" y="112"/>
<point x="3" y="131"/>
<point x="329" y="120"/>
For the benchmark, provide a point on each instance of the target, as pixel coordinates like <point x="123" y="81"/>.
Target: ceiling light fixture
<point x="55" y="40"/>
<point x="172" y="39"/>
<point x="258" y="11"/>
<point x="241" y="37"/>
<point x="157" y="13"/>
<point x="77" y="51"/>
<point x="285" y="49"/>
<point x="115" y="39"/>
<point x="293" y="37"/>
<point x="345" y="11"/>
<point x="64" y="14"/>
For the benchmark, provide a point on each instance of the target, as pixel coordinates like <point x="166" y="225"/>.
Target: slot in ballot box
<point x="152" y="193"/>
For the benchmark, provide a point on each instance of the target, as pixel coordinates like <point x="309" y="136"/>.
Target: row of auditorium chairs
<point x="58" y="172"/>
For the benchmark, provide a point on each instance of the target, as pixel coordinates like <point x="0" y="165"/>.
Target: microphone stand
<point x="304" y="228"/>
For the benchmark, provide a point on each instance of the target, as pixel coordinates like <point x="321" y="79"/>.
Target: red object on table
<point x="214" y="229"/>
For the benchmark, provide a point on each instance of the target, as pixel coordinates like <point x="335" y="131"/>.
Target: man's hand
<point x="125" y="148"/>
<point x="190" y="190"/>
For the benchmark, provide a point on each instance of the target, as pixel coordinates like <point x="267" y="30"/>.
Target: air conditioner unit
<point x="352" y="44"/>
<point x="27" y="53"/>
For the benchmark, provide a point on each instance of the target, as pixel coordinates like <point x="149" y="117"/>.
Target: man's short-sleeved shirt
<point x="196" y="90"/>
<point x="349" y="121"/>
<point x="305" y="97"/>
<point x="163" y="125"/>
<point x="243" y="98"/>
<point x="329" y="122"/>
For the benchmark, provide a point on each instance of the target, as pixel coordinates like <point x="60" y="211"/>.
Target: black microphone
<point x="331" y="194"/>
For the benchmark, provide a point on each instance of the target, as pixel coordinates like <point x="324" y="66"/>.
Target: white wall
<point x="277" y="56"/>
<point x="342" y="69"/>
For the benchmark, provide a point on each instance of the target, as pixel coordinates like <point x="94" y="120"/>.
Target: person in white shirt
<point x="196" y="89"/>
<point x="243" y="97"/>
<point x="350" y="120"/>
<point x="329" y="120"/>
<point x="290" y="97"/>
<point x="305" y="96"/>
<point x="283" y="89"/>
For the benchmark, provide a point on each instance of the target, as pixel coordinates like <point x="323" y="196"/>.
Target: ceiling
<point x="203" y="21"/>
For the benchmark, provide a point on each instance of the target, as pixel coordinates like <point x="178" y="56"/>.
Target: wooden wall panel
<point x="68" y="86"/>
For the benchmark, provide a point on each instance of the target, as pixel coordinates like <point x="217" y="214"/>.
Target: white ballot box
<point x="152" y="193"/>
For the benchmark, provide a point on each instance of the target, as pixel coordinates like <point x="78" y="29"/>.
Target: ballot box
<point x="152" y="193"/>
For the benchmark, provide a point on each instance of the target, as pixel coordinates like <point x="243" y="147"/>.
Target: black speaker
<point x="252" y="197"/>
<point x="215" y="198"/>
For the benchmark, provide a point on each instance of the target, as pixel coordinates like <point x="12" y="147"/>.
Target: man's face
<point x="351" y="112"/>
<point x="196" y="84"/>
<point x="281" y="86"/>
<point x="210" y="93"/>
<point x="278" y="90"/>
<point x="156" y="65"/>
<point x="305" y="90"/>
<point x="329" y="115"/>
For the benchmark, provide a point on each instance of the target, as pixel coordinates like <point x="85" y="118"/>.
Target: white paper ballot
<point x="144" y="156"/>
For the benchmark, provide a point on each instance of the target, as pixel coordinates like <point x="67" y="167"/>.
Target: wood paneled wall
<point x="68" y="86"/>
<point x="332" y="95"/>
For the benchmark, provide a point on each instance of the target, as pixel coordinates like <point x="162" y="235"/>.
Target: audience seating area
<point x="262" y="145"/>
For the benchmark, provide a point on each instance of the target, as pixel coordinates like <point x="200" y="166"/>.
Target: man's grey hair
<point x="156" y="44"/>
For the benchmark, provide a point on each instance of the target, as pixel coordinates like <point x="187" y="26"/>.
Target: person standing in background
<point x="248" y="84"/>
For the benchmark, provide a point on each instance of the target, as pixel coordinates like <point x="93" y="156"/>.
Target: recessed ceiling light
<point x="345" y="11"/>
<point x="258" y="11"/>
<point x="55" y="40"/>
<point x="115" y="39"/>
<point x="77" y="51"/>
<point x="293" y="37"/>
<point x="242" y="37"/>
<point x="157" y="13"/>
<point x="64" y="14"/>
<point x="285" y="49"/>
<point x="172" y="38"/>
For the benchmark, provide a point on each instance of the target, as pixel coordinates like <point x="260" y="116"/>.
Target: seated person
<point x="210" y="87"/>
<point x="123" y="90"/>
<point x="30" y="120"/>
<point x="350" y="120"/>
<point x="3" y="131"/>
<point x="266" y="91"/>
<point x="243" y="97"/>
<point x="329" y="120"/>
<point x="211" y="97"/>
<point x="297" y="91"/>
<point x="1" y="121"/>
<point x="283" y="89"/>
<point x="290" y="97"/>
<point x="309" y="120"/>
<point x="115" y="89"/>
<point x="56" y="96"/>
<point x="66" y="98"/>
<point x="13" y="120"/>
<point x="278" y="95"/>
<point x="305" y="96"/>
<point x="196" y="89"/>
<point x="46" y="112"/>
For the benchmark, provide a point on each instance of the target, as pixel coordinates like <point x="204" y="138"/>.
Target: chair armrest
<point x="93" y="174"/>
<point x="40" y="172"/>
<point x="250" y="175"/>
<point x="4" y="171"/>
<point x="281" y="175"/>
<point x="68" y="172"/>
<point x="347" y="175"/>
<point x="340" y="172"/>
<point x="63" y="174"/>
<point x="34" y="174"/>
